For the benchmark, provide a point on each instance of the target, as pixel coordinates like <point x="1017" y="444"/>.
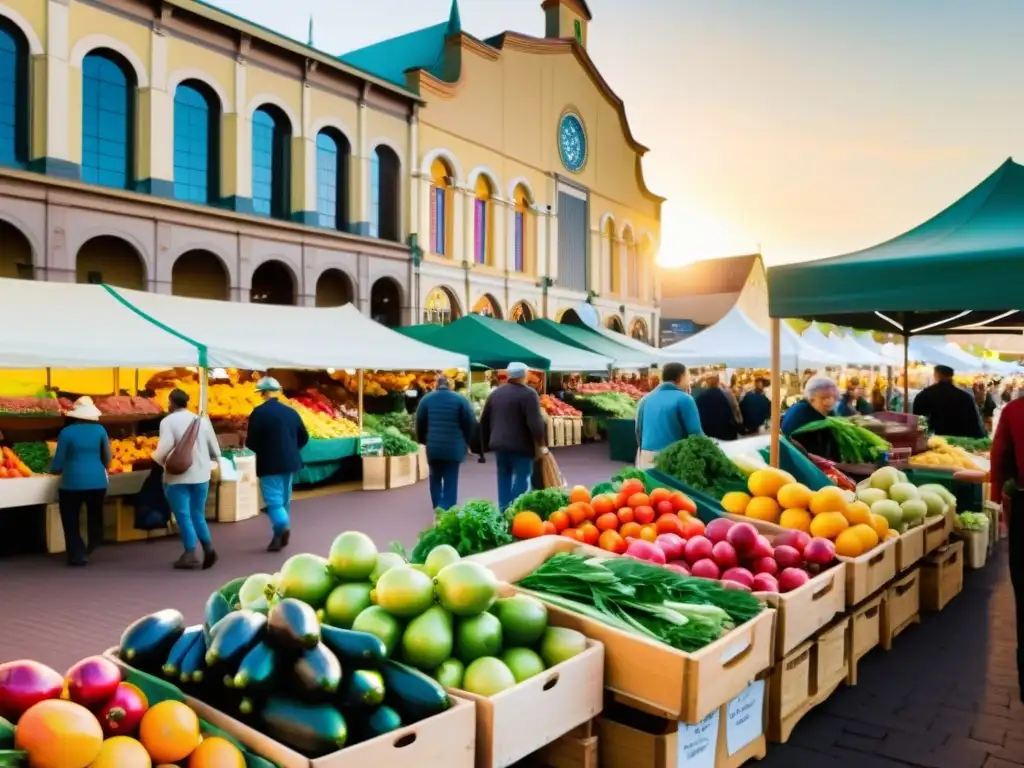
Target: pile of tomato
<point x="611" y="520"/>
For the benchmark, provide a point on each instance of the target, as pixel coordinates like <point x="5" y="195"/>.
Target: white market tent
<point x="737" y="342"/>
<point x="810" y="355"/>
<point x="654" y="355"/>
<point x="66" y="325"/>
<point x="261" y="336"/>
<point x="830" y="345"/>
<point x="856" y="354"/>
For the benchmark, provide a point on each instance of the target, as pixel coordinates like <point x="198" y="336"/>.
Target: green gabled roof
<point x="420" y="49"/>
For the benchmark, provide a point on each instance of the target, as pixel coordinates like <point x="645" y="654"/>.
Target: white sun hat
<point x="84" y="410"/>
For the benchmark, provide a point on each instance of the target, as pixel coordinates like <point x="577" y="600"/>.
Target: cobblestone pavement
<point x="945" y="697"/>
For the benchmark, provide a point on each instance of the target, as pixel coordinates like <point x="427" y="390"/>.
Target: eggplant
<point x="233" y="637"/>
<point x="292" y="626"/>
<point x="414" y="695"/>
<point x="193" y="665"/>
<point x="217" y="607"/>
<point x="316" y="674"/>
<point x="362" y="688"/>
<point x="147" y="641"/>
<point x="313" y="729"/>
<point x="354" y="648"/>
<point x="172" y="667"/>
<point x="369" y="724"/>
<point x="258" y="669"/>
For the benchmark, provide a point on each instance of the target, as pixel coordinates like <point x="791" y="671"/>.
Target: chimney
<point x="566" y="19"/>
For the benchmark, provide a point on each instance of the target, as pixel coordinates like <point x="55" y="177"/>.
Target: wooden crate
<point x="577" y="431"/>
<point x="830" y="659"/>
<point x="549" y="426"/>
<point x="789" y="692"/>
<point x="375" y="473"/>
<point x="942" y="576"/>
<point x="936" y="533"/>
<point x="239" y="499"/>
<point x="802" y="612"/>
<point x="576" y="749"/>
<point x="559" y="427"/>
<point x="909" y="548"/>
<point x="902" y="606"/>
<point x="517" y="722"/>
<point x="741" y="727"/>
<point x="402" y="470"/>
<point x="865" y="632"/>
<point x="868" y="573"/>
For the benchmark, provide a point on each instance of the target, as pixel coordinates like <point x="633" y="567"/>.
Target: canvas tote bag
<point x="179" y="460"/>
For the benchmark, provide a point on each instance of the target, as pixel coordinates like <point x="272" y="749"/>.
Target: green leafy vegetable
<point x="397" y="444"/>
<point x="972" y="521"/>
<point x="855" y="444"/>
<point x="477" y="526"/>
<point x="969" y="444"/>
<point x="35" y="455"/>
<point x="700" y="463"/>
<point x="543" y="502"/>
<point x="615" y="404"/>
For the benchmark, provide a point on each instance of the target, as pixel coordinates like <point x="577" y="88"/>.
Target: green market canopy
<point x="496" y="343"/>
<point x="960" y="271"/>
<point x="582" y="338"/>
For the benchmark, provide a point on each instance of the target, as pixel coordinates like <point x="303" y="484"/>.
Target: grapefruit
<point x="795" y="496"/>
<point x="169" y="731"/>
<point x="307" y="578"/>
<point x="858" y="513"/>
<point x="797" y="519"/>
<point x="828" y="499"/>
<point x="763" y="508"/>
<point x="828" y="525"/>
<point x="849" y="544"/>
<point x="867" y="535"/>
<point x="59" y="734"/>
<point x="405" y="592"/>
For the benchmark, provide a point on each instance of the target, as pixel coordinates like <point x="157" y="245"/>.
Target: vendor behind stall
<point x="950" y="410"/>
<point x="820" y="396"/>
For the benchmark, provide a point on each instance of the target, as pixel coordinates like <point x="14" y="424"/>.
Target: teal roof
<point x="421" y="49"/>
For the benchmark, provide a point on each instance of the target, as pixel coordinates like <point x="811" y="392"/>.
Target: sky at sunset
<point x="807" y="128"/>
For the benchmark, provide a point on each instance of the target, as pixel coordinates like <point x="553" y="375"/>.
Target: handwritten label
<point x="697" y="744"/>
<point x="371" y="446"/>
<point x="745" y="717"/>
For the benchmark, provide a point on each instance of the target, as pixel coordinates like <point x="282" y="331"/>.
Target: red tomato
<point x="683" y="503"/>
<point x="660" y="494"/>
<point x="631" y="486"/>
<point x="626" y="515"/>
<point x="621" y="499"/>
<point x="589" y="534"/>
<point x="692" y="526"/>
<point x="609" y="521"/>
<point x="670" y="523"/>
<point x="639" y="500"/>
<point x="611" y="541"/>
<point x="663" y="507"/>
<point x="573" y="533"/>
<point x="643" y="514"/>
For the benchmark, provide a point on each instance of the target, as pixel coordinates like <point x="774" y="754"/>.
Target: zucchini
<point x="414" y="695"/>
<point x="172" y="667"/>
<point x="6" y="733"/>
<point x="313" y="729"/>
<point x="147" y="641"/>
<point x="234" y="636"/>
<point x="354" y="648"/>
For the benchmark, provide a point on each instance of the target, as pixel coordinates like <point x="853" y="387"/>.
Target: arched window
<point x="14" y="106"/>
<point x="614" y="259"/>
<point x="441" y="207"/>
<point x="384" y="197"/>
<point x="522" y="256"/>
<point x="332" y="164"/>
<point x="108" y="120"/>
<point x="483" y="220"/>
<point x="271" y="158"/>
<point x="196" y="143"/>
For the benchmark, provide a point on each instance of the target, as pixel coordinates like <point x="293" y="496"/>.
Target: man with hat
<point x="512" y="426"/>
<point x="276" y="435"/>
<point x="444" y="424"/>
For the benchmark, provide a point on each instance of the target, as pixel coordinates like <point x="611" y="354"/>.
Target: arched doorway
<point x="522" y="313"/>
<point x="272" y="283"/>
<point x="638" y="330"/>
<point x="386" y="303"/>
<point x="570" y="317"/>
<point x="15" y="253"/>
<point x="441" y="307"/>
<point x="111" y="260"/>
<point x="615" y="324"/>
<point x="487" y="306"/>
<point x="200" y="274"/>
<point x="334" y="289"/>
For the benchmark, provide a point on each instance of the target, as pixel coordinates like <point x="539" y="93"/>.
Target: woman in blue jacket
<point x="81" y="459"/>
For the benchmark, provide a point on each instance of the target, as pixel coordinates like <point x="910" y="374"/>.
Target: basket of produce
<point x="853" y="443"/>
<point x="972" y="528"/>
<point x="302" y="666"/>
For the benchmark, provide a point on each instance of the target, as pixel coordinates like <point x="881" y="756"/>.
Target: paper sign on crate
<point x="745" y="717"/>
<point x="371" y="446"/>
<point x="697" y="744"/>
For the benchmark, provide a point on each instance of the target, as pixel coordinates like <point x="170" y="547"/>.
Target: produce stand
<point x="622" y="440"/>
<point x="323" y="458"/>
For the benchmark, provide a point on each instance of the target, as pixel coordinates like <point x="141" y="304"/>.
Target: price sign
<point x="371" y="446"/>
<point x="697" y="744"/>
<point x="745" y="717"/>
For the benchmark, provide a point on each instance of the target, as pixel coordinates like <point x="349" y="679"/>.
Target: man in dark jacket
<point x="444" y="424"/>
<point x="276" y="435"/>
<point x="512" y="426"/>
<point x="949" y="409"/>
<point x="756" y="407"/>
<point x="717" y="418"/>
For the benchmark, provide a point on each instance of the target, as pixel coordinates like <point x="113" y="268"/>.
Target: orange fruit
<point x="849" y="544"/>
<point x="57" y="733"/>
<point x="631" y="486"/>
<point x="639" y="500"/>
<point x="867" y="535"/>
<point x="880" y="525"/>
<point x="649" y="532"/>
<point x="560" y="520"/>
<point x="828" y="499"/>
<point x="216" y="752"/>
<point x="576" y="514"/>
<point x="797" y="519"/>
<point x="857" y="512"/>
<point x="643" y="514"/>
<point x="828" y="525"/>
<point x="659" y="495"/>
<point x="794" y="496"/>
<point x="169" y="731"/>
<point x="767" y="482"/>
<point x="122" y="752"/>
<point x="612" y="542"/>
<point x="670" y="523"/>
<point x="609" y="521"/>
<point x="603" y="504"/>
<point x="589" y="534"/>
<point x="625" y="515"/>
<point x="527" y="525"/>
<point x="763" y="508"/>
<point x="735" y="502"/>
<point x="579" y="493"/>
<point x="549" y="528"/>
<point x="630" y="530"/>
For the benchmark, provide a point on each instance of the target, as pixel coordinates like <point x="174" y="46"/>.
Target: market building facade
<point x="172" y="147"/>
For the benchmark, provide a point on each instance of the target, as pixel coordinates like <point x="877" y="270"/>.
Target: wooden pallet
<point x="576" y="749"/>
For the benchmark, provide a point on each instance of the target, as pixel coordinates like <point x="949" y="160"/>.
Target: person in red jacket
<point x="1007" y="476"/>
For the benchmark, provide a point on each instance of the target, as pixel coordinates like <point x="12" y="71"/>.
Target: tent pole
<point x="204" y="390"/>
<point x="359" y="404"/>
<point x="776" y="384"/>
<point x="906" y="364"/>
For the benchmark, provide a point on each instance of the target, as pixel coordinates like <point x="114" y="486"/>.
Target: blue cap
<point x="516" y="370"/>
<point x="268" y="384"/>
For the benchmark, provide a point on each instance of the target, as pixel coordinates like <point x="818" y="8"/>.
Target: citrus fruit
<point x="828" y="499"/>
<point x="527" y="525"/>
<point x="588" y="511"/>
<point x="560" y="520"/>
<point x="880" y="524"/>
<point x="797" y="519"/>
<point x="828" y="525"/>
<point x="169" y="731"/>
<point x="892" y="533"/>
<point x="767" y="482"/>
<point x="579" y="493"/>
<point x="216" y="752"/>
<point x="122" y="752"/>
<point x="857" y="513"/>
<point x="795" y="496"/>
<point x="848" y="543"/>
<point x="649" y="532"/>
<point x="763" y="508"/>
<point x="612" y="541"/>
<point x="577" y="514"/>
<point x="59" y="734"/>
<point x="735" y="502"/>
<point x="867" y="535"/>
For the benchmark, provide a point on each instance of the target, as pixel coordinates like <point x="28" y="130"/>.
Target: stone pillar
<point x="359" y="178"/>
<point x="304" y="182"/>
<point x="236" y="154"/>
<point x="501" y="256"/>
<point x="623" y="270"/>
<point x="510" y="238"/>
<point x="421" y="191"/>
<point x="55" y="145"/>
<point x="468" y="227"/>
<point x="154" y="128"/>
<point x="596" y="258"/>
<point x="552" y="223"/>
<point x="411" y="191"/>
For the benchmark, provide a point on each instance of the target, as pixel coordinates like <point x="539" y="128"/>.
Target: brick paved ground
<point x="944" y="697"/>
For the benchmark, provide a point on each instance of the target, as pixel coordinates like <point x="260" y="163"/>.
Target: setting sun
<point x="690" y="234"/>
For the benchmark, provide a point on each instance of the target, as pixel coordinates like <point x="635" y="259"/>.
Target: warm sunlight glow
<point x="689" y="234"/>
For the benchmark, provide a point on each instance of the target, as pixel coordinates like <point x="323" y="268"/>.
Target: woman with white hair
<point x="820" y="396"/>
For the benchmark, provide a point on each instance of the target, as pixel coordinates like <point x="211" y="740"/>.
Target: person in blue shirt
<point x="81" y="459"/>
<point x="444" y="424"/>
<point x="665" y="416"/>
<point x="756" y="407"/>
<point x="276" y="435"/>
<point x="820" y="396"/>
